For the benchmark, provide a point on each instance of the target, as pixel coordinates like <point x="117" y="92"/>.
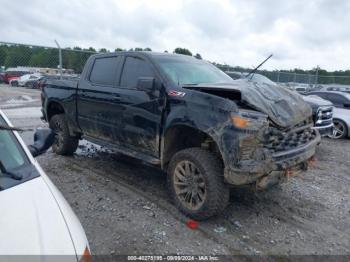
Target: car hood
<point x="284" y="107"/>
<point x="32" y="223"/>
<point x="316" y="101"/>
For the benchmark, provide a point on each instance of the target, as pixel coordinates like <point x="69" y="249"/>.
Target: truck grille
<point x="277" y="141"/>
<point x="324" y="116"/>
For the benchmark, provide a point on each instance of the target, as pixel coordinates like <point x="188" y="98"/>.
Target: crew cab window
<point x="134" y="68"/>
<point x="104" y="71"/>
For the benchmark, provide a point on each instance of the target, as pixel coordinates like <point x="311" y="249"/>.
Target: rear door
<point x="99" y="112"/>
<point x="142" y="110"/>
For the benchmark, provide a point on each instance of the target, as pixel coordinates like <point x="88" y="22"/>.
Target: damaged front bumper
<point x="273" y="166"/>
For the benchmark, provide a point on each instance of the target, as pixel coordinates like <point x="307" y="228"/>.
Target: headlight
<point x="240" y="122"/>
<point x="247" y="119"/>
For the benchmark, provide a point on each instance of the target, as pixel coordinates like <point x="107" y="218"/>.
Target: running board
<point x="125" y="151"/>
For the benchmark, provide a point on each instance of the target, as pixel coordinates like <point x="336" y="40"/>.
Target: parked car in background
<point x="341" y="120"/>
<point x="42" y="82"/>
<point x="338" y="99"/>
<point x="301" y="89"/>
<point x="322" y="110"/>
<point x="31" y="82"/>
<point x="35" y="218"/>
<point x="322" y="113"/>
<point x="338" y="88"/>
<point x="13" y="75"/>
<point x="25" y="80"/>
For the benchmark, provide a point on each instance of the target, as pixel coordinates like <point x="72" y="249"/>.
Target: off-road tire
<point x="64" y="143"/>
<point x="217" y="192"/>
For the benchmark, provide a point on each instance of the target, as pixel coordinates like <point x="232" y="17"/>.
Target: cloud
<point x="240" y="32"/>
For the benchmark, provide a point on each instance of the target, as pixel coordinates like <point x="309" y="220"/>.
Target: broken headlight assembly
<point x="252" y="125"/>
<point x="248" y="119"/>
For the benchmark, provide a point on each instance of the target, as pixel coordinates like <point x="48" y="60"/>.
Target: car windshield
<point x="346" y="95"/>
<point x="191" y="71"/>
<point x="12" y="155"/>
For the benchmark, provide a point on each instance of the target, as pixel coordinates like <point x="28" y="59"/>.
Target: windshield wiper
<point x="9" y="174"/>
<point x="10" y="128"/>
<point x="190" y="84"/>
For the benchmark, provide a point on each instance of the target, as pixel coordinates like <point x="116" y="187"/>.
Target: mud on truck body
<point x="207" y="131"/>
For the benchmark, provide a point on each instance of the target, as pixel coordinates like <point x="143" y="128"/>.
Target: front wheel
<point x="14" y="83"/>
<point x="64" y="144"/>
<point x="196" y="184"/>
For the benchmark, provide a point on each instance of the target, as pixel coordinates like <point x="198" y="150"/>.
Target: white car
<point x="25" y="80"/>
<point x="35" y="219"/>
<point x="341" y="120"/>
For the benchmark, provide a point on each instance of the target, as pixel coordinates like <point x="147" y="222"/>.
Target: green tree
<point x="182" y="51"/>
<point x="118" y="49"/>
<point x="3" y="54"/>
<point x="147" y="49"/>
<point x="198" y="56"/>
<point x="103" y="50"/>
<point x="91" y="49"/>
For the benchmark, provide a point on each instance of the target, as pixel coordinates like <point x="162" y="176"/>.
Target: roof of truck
<point x="147" y="53"/>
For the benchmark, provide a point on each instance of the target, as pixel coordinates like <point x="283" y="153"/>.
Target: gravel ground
<point x="125" y="208"/>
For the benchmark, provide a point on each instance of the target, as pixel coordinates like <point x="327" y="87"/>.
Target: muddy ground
<point x="125" y="208"/>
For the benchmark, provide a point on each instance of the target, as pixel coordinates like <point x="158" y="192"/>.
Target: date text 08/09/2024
<point x="173" y="258"/>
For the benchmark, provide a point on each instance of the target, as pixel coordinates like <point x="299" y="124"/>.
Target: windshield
<point x="12" y="155"/>
<point x="191" y="71"/>
<point x="347" y="96"/>
<point x="261" y="79"/>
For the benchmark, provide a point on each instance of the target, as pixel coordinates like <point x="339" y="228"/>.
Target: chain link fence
<point x="42" y="59"/>
<point x="309" y="79"/>
<point x="54" y="60"/>
<point x="295" y="79"/>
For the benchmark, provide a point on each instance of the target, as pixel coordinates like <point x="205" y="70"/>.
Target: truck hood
<point x="284" y="107"/>
<point x="32" y="223"/>
<point x="316" y="101"/>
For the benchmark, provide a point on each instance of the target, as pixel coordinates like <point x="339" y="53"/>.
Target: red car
<point x="13" y="75"/>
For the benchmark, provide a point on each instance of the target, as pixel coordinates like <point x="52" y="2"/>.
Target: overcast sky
<point x="300" y="34"/>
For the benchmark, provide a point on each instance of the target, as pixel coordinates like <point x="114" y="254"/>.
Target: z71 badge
<point x="176" y="93"/>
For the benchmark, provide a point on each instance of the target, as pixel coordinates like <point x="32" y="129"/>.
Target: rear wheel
<point x="64" y="144"/>
<point x="340" y="129"/>
<point x="195" y="180"/>
<point x="14" y="83"/>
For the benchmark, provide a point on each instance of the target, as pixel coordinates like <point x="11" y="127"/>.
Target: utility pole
<point x="59" y="58"/>
<point x="316" y="76"/>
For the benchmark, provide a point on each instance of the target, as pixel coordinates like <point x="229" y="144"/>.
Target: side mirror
<point x="146" y="84"/>
<point x="43" y="140"/>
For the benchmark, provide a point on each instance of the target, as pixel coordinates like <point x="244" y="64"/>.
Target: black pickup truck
<point x="183" y="114"/>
